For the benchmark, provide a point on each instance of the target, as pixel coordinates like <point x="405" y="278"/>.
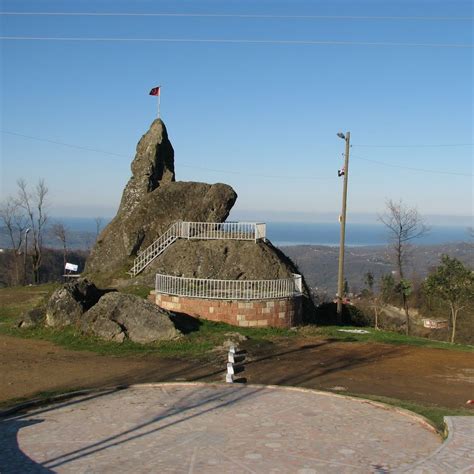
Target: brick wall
<point x="280" y="313"/>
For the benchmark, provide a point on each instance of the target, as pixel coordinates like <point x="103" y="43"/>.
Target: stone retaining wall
<point x="281" y="312"/>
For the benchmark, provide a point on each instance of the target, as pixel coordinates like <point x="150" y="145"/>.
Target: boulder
<point x="33" y="318"/>
<point x="68" y="303"/>
<point x="119" y="316"/>
<point x="151" y="202"/>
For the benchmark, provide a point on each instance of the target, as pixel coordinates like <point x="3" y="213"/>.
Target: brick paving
<point x="455" y="455"/>
<point x="204" y="428"/>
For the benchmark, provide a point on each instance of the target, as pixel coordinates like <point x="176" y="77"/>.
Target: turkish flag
<point x="155" y="91"/>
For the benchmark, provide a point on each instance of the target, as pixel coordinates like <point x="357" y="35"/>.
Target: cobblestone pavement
<point x="203" y="428"/>
<point x="455" y="455"/>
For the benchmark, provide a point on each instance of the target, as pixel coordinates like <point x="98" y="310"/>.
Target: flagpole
<point x="159" y="103"/>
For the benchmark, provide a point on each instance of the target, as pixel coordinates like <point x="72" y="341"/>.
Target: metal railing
<point x="155" y="249"/>
<point x="198" y="230"/>
<point x="229" y="289"/>
<point x="223" y="230"/>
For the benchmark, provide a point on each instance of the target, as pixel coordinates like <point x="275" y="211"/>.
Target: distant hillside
<point x="319" y="263"/>
<point x="76" y="239"/>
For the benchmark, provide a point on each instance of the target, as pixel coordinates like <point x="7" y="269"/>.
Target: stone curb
<point x="37" y="402"/>
<point x="433" y="463"/>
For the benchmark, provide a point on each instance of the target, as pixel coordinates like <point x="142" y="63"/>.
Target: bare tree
<point x="99" y="221"/>
<point x="34" y="205"/>
<point x="404" y="224"/>
<point x="14" y="220"/>
<point x="61" y="233"/>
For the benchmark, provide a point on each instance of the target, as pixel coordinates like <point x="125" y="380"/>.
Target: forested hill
<point x="319" y="263"/>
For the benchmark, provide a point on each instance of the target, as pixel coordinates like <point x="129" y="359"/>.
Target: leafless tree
<point x="99" y="221"/>
<point x="15" y="222"/>
<point x="34" y="205"/>
<point x="404" y="224"/>
<point x="62" y="234"/>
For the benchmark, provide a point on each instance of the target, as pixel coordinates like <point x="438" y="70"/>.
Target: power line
<point x="424" y="170"/>
<point x="184" y="165"/>
<point x="244" y="16"/>
<point x="233" y="41"/>
<point x="69" y="145"/>
<point x="416" y="146"/>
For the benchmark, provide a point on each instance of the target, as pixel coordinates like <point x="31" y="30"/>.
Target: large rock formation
<point x="151" y="202"/>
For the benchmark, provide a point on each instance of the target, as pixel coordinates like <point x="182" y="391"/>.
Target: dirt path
<point x="428" y="376"/>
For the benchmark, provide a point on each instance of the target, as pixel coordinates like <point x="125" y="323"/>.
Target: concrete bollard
<point x="233" y="357"/>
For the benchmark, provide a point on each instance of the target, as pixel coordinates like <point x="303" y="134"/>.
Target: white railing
<point x="155" y="249"/>
<point x="229" y="289"/>
<point x="224" y="230"/>
<point x="198" y="230"/>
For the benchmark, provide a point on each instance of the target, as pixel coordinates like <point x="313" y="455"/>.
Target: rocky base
<point x="109" y="315"/>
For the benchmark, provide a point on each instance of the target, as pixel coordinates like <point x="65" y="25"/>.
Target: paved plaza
<point x="204" y="428"/>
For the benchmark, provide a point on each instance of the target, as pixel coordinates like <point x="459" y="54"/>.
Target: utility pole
<point x="340" y="279"/>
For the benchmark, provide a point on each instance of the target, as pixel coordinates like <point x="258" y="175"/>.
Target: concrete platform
<point x="203" y="428"/>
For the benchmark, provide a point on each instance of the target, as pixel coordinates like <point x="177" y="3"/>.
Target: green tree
<point x="454" y="283"/>
<point x="387" y="288"/>
<point x="369" y="281"/>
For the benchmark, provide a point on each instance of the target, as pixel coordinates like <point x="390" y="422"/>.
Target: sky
<point x="260" y="112"/>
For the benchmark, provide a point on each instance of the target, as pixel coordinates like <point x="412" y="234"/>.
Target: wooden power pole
<point x="340" y="279"/>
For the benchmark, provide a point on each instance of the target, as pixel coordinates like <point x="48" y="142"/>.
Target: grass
<point x="16" y="300"/>
<point x="383" y="337"/>
<point x="434" y="414"/>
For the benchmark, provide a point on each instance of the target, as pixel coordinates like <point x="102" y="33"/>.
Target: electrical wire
<point x="235" y="41"/>
<point x="244" y="16"/>
<point x="214" y="170"/>
<point x="414" y="146"/>
<point x="424" y="170"/>
<point x="184" y="165"/>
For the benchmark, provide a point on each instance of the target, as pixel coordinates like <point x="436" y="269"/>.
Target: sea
<point x="319" y="233"/>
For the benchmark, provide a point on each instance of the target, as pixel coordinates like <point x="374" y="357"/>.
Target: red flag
<point x="155" y="91"/>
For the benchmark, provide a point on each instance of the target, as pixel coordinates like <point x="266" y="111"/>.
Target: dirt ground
<point x="427" y="376"/>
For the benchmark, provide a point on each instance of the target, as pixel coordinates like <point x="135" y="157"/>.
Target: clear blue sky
<point x="265" y="114"/>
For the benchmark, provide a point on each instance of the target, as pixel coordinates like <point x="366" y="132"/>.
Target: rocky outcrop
<point x="152" y="166"/>
<point x="69" y="302"/>
<point x="220" y="259"/>
<point x="151" y="202"/>
<point x="226" y="260"/>
<point x="118" y="316"/>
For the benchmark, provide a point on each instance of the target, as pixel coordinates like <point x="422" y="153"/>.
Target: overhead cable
<point x="243" y="15"/>
<point x="234" y="41"/>
<point x="424" y="170"/>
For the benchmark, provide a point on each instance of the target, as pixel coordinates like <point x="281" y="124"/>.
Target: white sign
<point x="71" y="266"/>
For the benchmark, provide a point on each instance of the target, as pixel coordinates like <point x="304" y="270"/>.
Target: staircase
<point x="155" y="249"/>
<point x="198" y="230"/>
